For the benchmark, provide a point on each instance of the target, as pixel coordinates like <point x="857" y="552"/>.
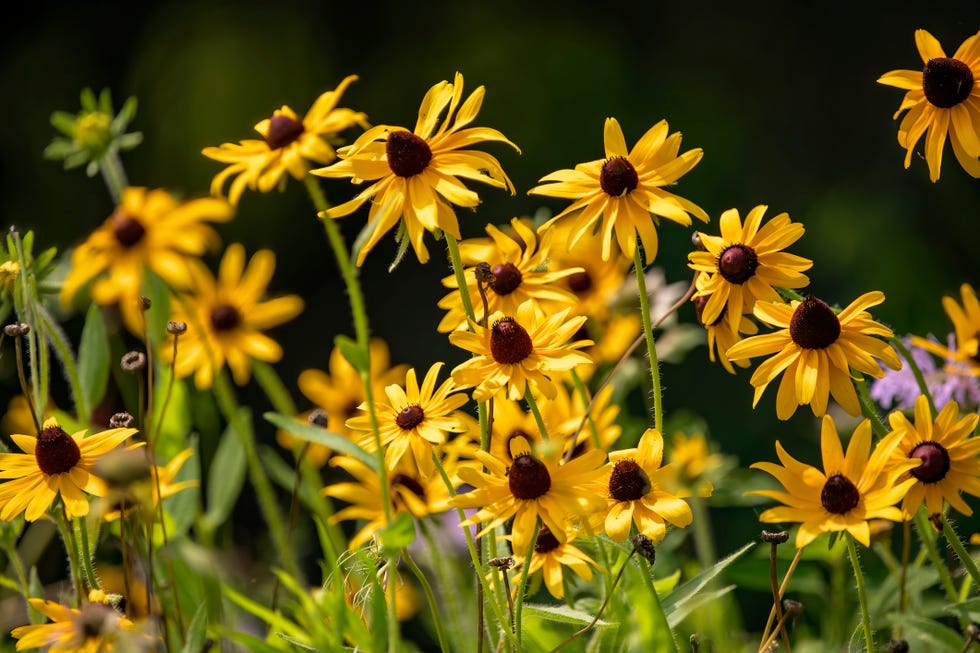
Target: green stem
<point x="869" y="409"/>
<point x="81" y="527"/>
<point x="65" y="354"/>
<point x="273" y="387"/>
<point x="431" y="598"/>
<point x="920" y="380"/>
<point x="869" y="637"/>
<point x="71" y="547"/>
<point x="522" y="586"/>
<point x="457" y="261"/>
<point x="533" y="405"/>
<point x="641" y="287"/>
<point x="586" y="401"/>
<point x="928" y="539"/>
<point x="965" y="558"/>
<point x="114" y="175"/>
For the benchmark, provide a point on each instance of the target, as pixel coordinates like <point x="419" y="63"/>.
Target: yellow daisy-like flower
<point x="519" y="265"/>
<point x="814" y="350"/>
<point x="515" y="352"/>
<point x="852" y="489"/>
<point x="721" y="335"/>
<point x="418" y="494"/>
<point x="550" y="556"/>
<point x="414" y="418"/>
<point x="145" y="495"/>
<point x="746" y="263"/>
<point x="949" y="456"/>
<point x="966" y="325"/>
<point x="417" y="173"/>
<point x="54" y="464"/>
<point x="633" y="484"/>
<point x="149" y="228"/>
<point x="624" y="189"/>
<point x="288" y="142"/>
<point x="339" y="392"/>
<point x="93" y="629"/>
<point x="944" y="97"/>
<point x="225" y="317"/>
<point x="529" y="487"/>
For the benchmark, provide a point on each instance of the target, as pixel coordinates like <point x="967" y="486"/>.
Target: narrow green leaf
<point x="93" y="357"/>
<point x="276" y="621"/>
<point x="157" y="291"/>
<point x="310" y="433"/>
<point x="354" y="354"/>
<point x="563" y="614"/>
<point x="194" y="643"/>
<point x="226" y="476"/>
<point x="685" y="592"/>
<point x="927" y="632"/>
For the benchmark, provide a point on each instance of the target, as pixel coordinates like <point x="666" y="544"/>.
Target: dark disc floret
<point x="409" y="417"/>
<point x="814" y="324"/>
<point x="618" y="176"/>
<point x="528" y="478"/>
<point x="56" y="452"/>
<point x="408" y="482"/>
<point x="283" y="130"/>
<point x="700" y="303"/>
<point x="408" y="154"/>
<point x="127" y="229"/>
<point x="509" y="342"/>
<point x="738" y="263"/>
<point x="935" y="462"/>
<point x="839" y="495"/>
<point x="628" y="481"/>
<point x="546" y="541"/>
<point x="579" y="282"/>
<point x="946" y="82"/>
<point x="506" y="278"/>
<point x="225" y="317"/>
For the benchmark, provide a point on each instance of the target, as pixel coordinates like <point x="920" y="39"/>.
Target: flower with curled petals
<point x="964" y="356"/>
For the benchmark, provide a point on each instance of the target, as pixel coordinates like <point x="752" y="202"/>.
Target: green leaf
<point x="679" y="603"/>
<point x="397" y="535"/>
<point x="310" y="433"/>
<point x="227" y="475"/>
<point x="353" y="353"/>
<point x="563" y="614"/>
<point x="919" y="630"/>
<point x="197" y="630"/>
<point x="157" y="317"/>
<point x="277" y="622"/>
<point x="186" y="504"/>
<point x="93" y="357"/>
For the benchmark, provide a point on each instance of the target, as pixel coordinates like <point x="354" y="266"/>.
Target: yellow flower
<point x="18" y="418"/>
<point x="814" y="349"/>
<point x="949" y="457"/>
<point x="8" y="274"/>
<point x="54" y="463"/>
<point x="852" y="489"/>
<point x="944" y="97"/>
<point x="549" y="557"/>
<point x="529" y="487"/>
<point x="624" y="189"/>
<point x="746" y="263"/>
<point x="633" y="484"/>
<point x="288" y="142"/>
<point x="721" y="335"/>
<point x="225" y="317"/>
<point x="414" y="418"/>
<point x="516" y="352"/>
<point x="145" y="495"/>
<point x="520" y="267"/>
<point x="94" y="628"/>
<point x="416" y="173"/>
<point x="151" y="229"/>
<point x="966" y="324"/>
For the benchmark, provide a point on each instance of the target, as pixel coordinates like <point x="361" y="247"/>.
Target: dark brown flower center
<point x="935" y="462"/>
<point x="509" y="342"/>
<point x="700" y="303"/>
<point x="350" y="408"/>
<point x="56" y="452"/>
<point x="506" y="278"/>
<point x="946" y="82"/>
<point x="814" y="325"/>
<point x="408" y="482"/>
<point x="225" y="317"/>
<point x="283" y="130"/>
<point x="410" y="417"/>
<point x="839" y="495"/>
<point x="528" y="478"/>
<point x="546" y="541"/>
<point x="628" y="481"/>
<point x="579" y="282"/>
<point x="127" y="229"/>
<point x="738" y="263"/>
<point x="408" y="154"/>
<point x="618" y="176"/>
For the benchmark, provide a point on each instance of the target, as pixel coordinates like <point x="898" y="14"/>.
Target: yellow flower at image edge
<point x="943" y="98"/>
<point x="225" y="318"/>
<point x="966" y="325"/>
<point x="92" y="629"/>
<point x="54" y="464"/>
<point x="852" y="489"/>
<point x="416" y="174"/>
<point x="288" y="141"/>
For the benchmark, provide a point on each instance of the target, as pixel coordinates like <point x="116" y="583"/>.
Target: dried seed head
<point x="935" y="462"/>
<point x="628" y="481"/>
<point x="17" y="329"/>
<point x="483" y="273"/>
<point x="839" y="495"/>
<point x="696" y="242"/>
<point x="56" y="452"/>
<point x="644" y="546"/>
<point x="408" y="154"/>
<point x="946" y="82"/>
<point x="814" y="324"/>
<point x="775" y="537"/>
<point x="283" y="130"/>
<point x="145" y="303"/>
<point x="792" y="608"/>
<point x="176" y="328"/>
<point x="528" y="478"/>
<point x="618" y="176"/>
<point x="121" y="420"/>
<point x="318" y="417"/>
<point x="133" y="361"/>
<point x="509" y="342"/>
<point x="504" y="563"/>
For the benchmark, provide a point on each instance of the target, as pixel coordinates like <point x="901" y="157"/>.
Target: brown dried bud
<point x="696" y="241"/>
<point x="17" y="329"/>
<point x="318" y="417"/>
<point x="644" y="546"/>
<point x="121" y="420"/>
<point x="501" y="563"/>
<point x="145" y="303"/>
<point x="176" y="328"/>
<point x="484" y="273"/>
<point x="133" y="361"/>
<point x="792" y="608"/>
<point x="775" y="538"/>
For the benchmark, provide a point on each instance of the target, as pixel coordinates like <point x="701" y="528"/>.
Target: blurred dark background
<point x="782" y="98"/>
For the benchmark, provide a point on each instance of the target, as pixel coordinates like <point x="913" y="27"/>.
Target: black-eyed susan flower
<point x="746" y="263"/>
<point x="625" y="190"/>
<point x="417" y="173"/>
<point x="532" y="486"/>
<point x="521" y="270"/>
<point x="965" y="351"/>
<point x="943" y="98"/>
<point x="692" y="463"/>
<point x="410" y="491"/>
<point x="288" y="143"/>
<point x="149" y="228"/>
<point x="852" y="489"/>
<point x="950" y="462"/>
<point x="721" y="335"/>
<point x="225" y="318"/>
<point x="54" y="464"/>
<point x="515" y="352"/>
<point x="96" y="627"/>
<point x="413" y="419"/>
<point x="814" y="349"/>
<point x="633" y="485"/>
<point x="550" y="556"/>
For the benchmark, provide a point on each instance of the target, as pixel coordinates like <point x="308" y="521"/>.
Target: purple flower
<point x="952" y="382"/>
